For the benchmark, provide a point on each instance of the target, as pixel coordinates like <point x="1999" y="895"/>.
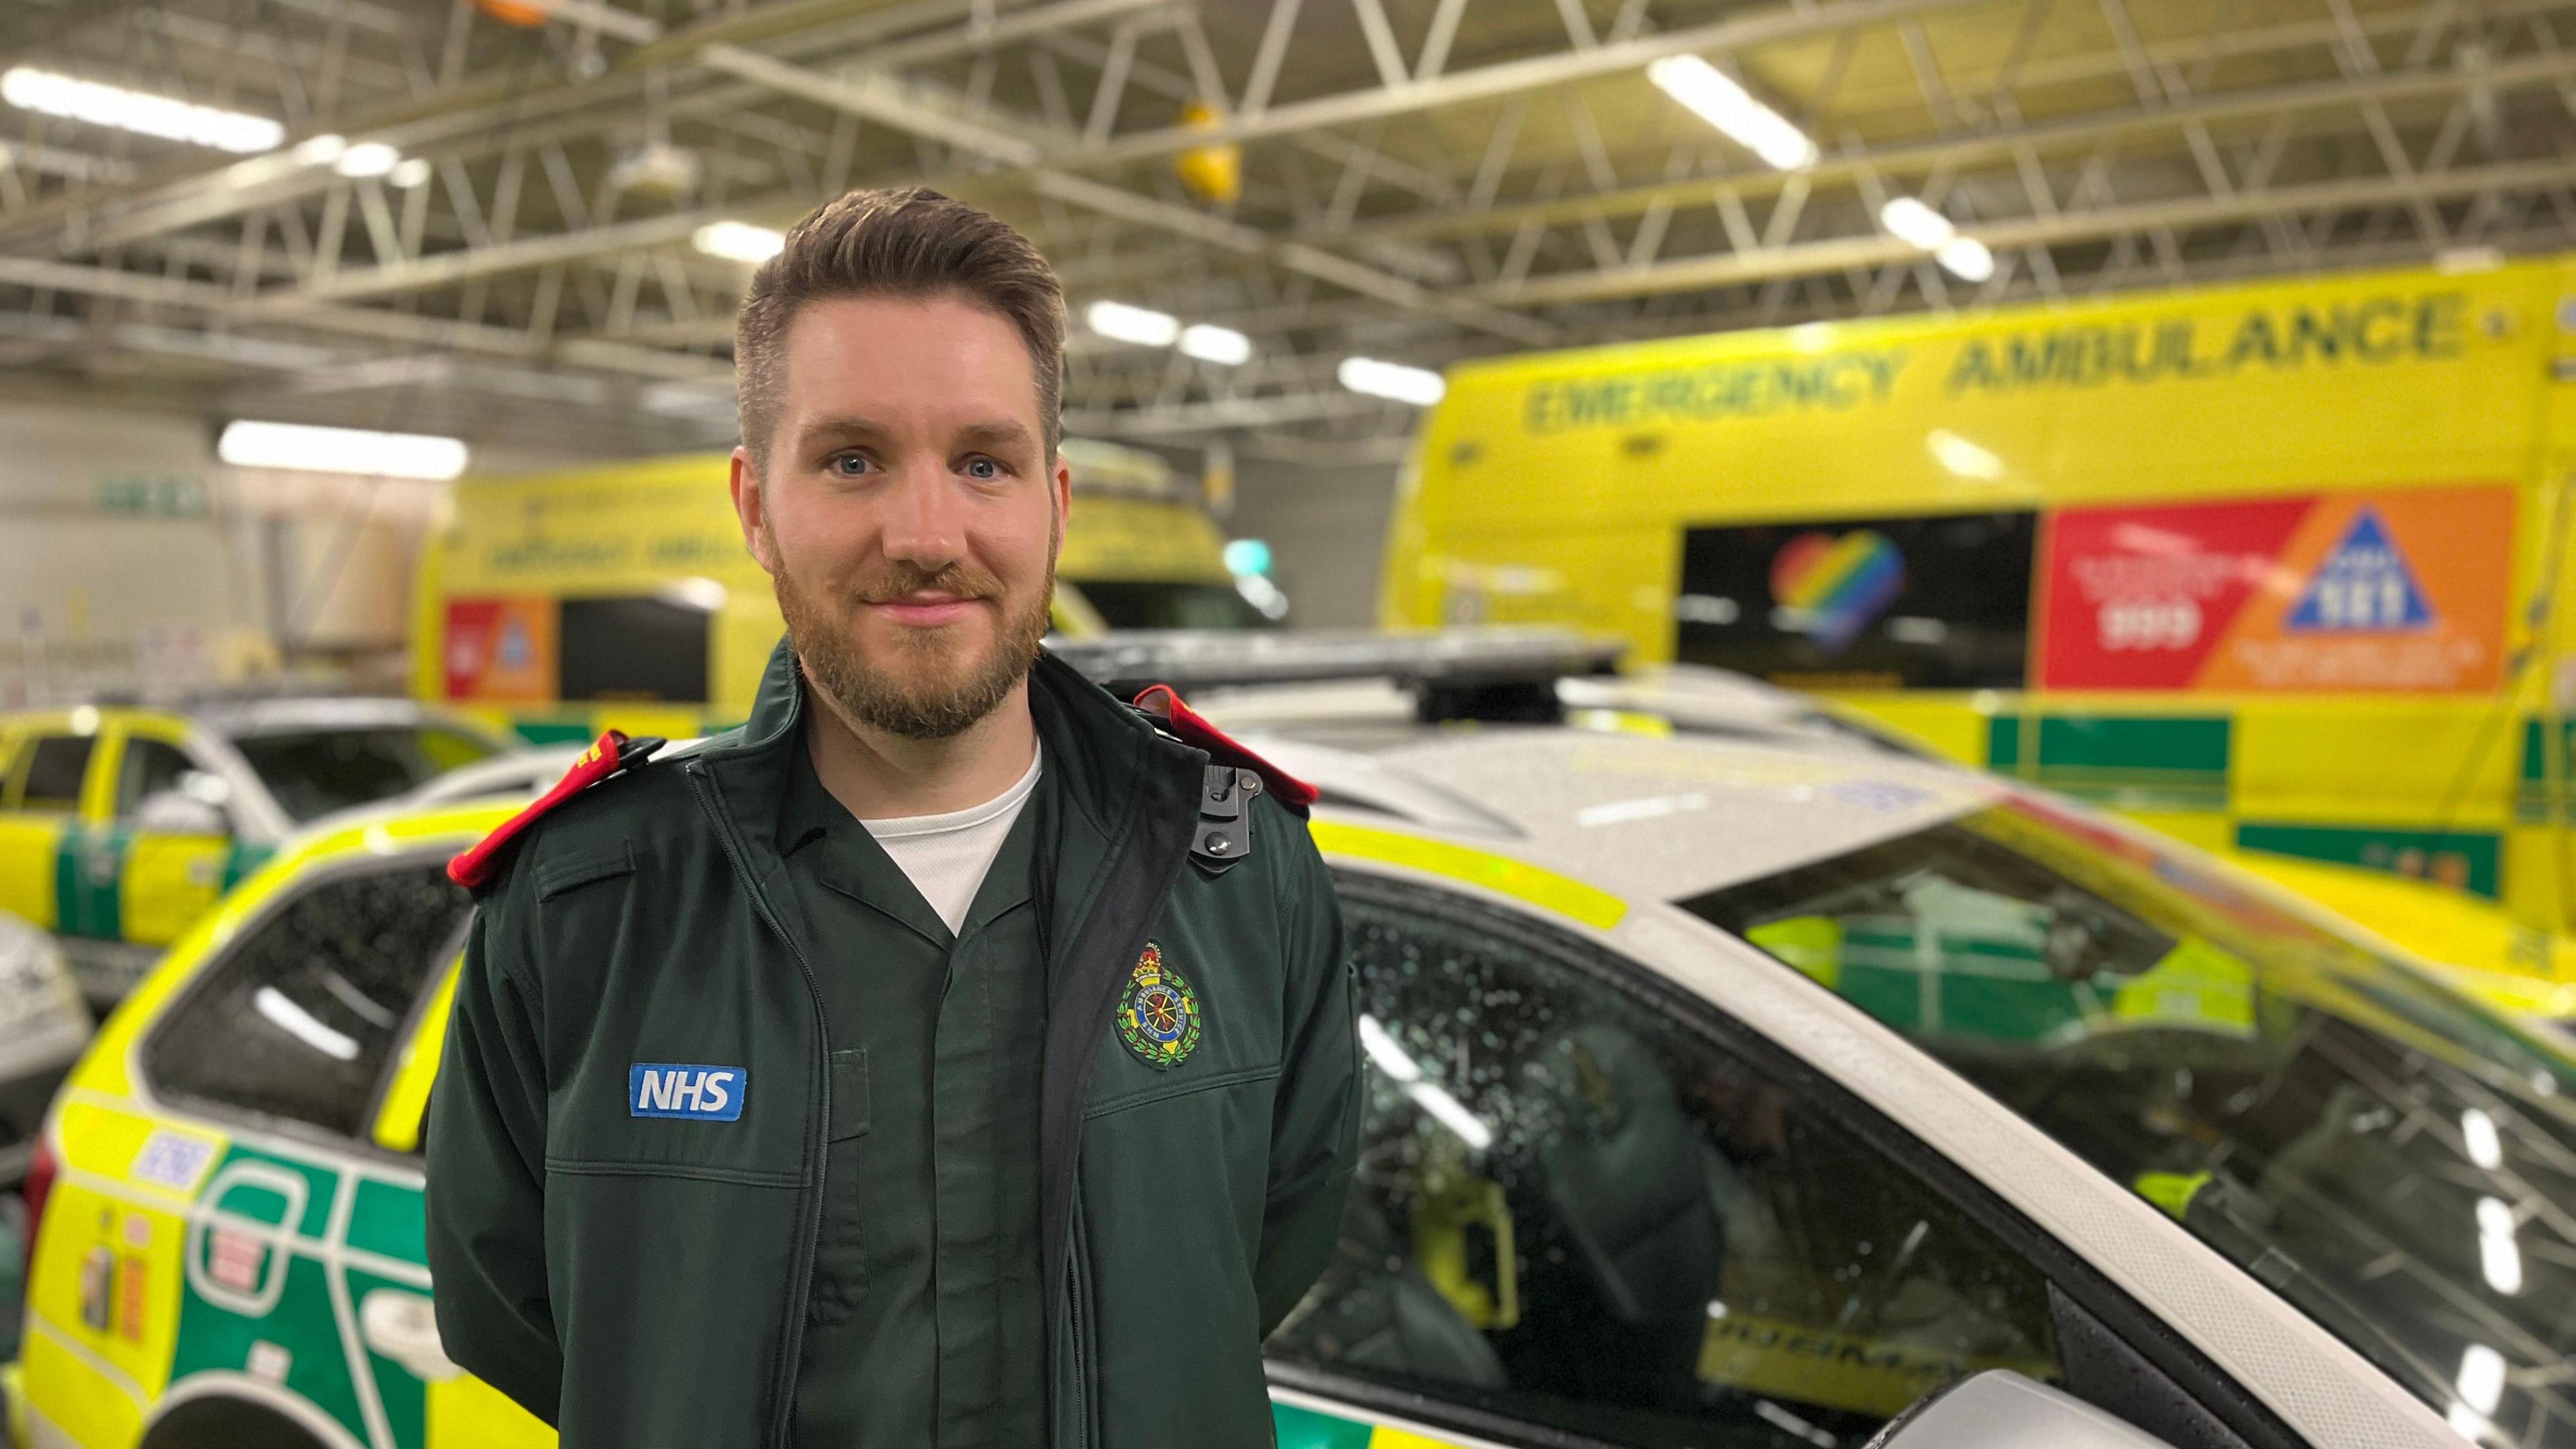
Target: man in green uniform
<point x="951" y="1056"/>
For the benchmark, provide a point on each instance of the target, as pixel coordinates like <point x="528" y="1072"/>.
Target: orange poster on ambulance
<point x="2397" y="590"/>
<point x="500" y="651"/>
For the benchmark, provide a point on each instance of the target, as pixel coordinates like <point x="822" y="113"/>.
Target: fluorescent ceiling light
<point x="367" y="158"/>
<point x="320" y="150"/>
<point x="1210" y="343"/>
<point x="248" y="444"/>
<point x="1714" y="97"/>
<point x="50" y="93"/>
<point x="1394" y="380"/>
<point x="2481" y="1380"/>
<point x="410" y="174"/>
<point x="738" y="241"/>
<point x="2484" y="1143"/>
<point x="1911" y="221"/>
<point x="1143" y="326"/>
<point x="1966" y="258"/>
<point x="2498" y="1255"/>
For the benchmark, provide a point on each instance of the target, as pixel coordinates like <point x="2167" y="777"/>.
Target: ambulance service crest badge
<point x="1158" y="1016"/>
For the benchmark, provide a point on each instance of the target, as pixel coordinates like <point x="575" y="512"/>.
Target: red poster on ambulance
<point x="499" y="651"/>
<point x="2395" y="590"/>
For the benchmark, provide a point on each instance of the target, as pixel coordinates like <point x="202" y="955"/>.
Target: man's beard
<point x="937" y="697"/>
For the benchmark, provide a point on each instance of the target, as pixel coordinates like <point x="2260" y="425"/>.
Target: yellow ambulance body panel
<point x="2262" y="565"/>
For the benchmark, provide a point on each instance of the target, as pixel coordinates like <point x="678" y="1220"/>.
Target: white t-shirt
<point x="946" y="856"/>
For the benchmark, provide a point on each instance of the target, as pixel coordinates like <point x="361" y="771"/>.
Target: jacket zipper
<point x="793" y="1337"/>
<point x="1074" y="1282"/>
<point x="1077" y="1294"/>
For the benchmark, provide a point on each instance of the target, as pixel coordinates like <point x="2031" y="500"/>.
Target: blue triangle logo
<point x="2363" y="586"/>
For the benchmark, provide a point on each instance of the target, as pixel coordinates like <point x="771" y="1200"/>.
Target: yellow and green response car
<point x="1720" y="1091"/>
<point x="121" y="825"/>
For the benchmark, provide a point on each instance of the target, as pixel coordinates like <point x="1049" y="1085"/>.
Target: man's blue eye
<point x="984" y="468"/>
<point x="849" y="465"/>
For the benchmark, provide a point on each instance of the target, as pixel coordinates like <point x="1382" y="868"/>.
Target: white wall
<point x="1326" y="528"/>
<point x="131" y="560"/>
<point x="88" y="587"/>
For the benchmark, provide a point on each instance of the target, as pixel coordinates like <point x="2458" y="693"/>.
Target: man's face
<point x="910" y="514"/>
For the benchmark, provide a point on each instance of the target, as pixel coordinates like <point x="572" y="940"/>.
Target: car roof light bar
<point x="1497" y="673"/>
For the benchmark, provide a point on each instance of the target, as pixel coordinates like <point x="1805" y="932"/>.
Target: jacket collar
<point x="1100" y="756"/>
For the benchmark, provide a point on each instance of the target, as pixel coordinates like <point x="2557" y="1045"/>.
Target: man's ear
<point x="1062" y="482"/>
<point x="751" y="510"/>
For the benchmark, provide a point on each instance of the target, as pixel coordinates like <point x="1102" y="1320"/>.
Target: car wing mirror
<point x="2000" y="1409"/>
<point x="181" y="812"/>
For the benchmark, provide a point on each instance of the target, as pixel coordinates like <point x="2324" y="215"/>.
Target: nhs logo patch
<point x="665" y="1089"/>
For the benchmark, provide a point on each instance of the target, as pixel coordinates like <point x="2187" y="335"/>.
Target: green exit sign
<point x="153" y="495"/>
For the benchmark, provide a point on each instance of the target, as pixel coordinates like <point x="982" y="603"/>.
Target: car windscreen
<point x="2384" y="1153"/>
<point x="314" y="772"/>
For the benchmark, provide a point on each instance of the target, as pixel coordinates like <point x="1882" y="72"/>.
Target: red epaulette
<point x="607" y="755"/>
<point x="1191" y="728"/>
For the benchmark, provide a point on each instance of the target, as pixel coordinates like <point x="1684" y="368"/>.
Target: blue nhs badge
<point x="664" y="1089"/>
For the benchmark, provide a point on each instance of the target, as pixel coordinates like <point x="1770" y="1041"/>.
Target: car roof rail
<point x="1500" y="674"/>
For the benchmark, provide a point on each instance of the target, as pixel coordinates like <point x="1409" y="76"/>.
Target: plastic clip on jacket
<point x="1234" y="775"/>
<point x="1225" y="829"/>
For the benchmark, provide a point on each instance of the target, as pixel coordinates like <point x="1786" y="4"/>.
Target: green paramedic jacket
<point x="640" y="1281"/>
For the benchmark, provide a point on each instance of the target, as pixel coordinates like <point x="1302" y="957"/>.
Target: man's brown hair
<point x="901" y="242"/>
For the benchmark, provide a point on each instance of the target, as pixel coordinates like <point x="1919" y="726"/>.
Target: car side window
<point x="300" y="1018"/>
<point x="55" y="766"/>
<point x="149" y="767"/>
<point x="1578" y="1209"/>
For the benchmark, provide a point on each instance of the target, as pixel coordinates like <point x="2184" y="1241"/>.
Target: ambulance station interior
<point x="1937" y="638"/>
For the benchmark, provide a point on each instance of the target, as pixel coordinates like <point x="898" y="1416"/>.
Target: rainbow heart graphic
<point x="1834" y="586"/>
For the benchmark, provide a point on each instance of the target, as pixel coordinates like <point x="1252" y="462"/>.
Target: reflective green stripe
<point x="67" y="905"/>
<point x="84" y="906"/>
<point x="2531" y="794"/>
<point x="220" y="1337"/>
<point x="243" y="860"/>
<point x="2135" y="761"/>
<point x="555" y="732"/>
<point x="386" y="1220"/>
<point x="2438" y="854"/>
<point x="1306" y="1429"/>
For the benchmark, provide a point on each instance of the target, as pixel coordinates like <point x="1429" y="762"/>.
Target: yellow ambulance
<point x="2272" y="567"/>
<point x="621" y="596"/>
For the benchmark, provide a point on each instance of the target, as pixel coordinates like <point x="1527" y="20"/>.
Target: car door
<point x="304" y="1264"/>
<point x="168" y="877"/>
<point x="458" y="1410"/>
<point x="41" y="809"/>
<point x="1590" y="1212"/>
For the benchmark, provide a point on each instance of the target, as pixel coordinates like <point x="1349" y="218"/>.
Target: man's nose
<point x="924" y="523"/>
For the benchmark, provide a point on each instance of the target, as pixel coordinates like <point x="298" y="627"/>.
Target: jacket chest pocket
<point x="702" y="1065"/>
<point x="840" y="1244"/>
<point x="1189" y="1017"/>
<point x="721" y="1120"/>
<point x="849" y="1093"/>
